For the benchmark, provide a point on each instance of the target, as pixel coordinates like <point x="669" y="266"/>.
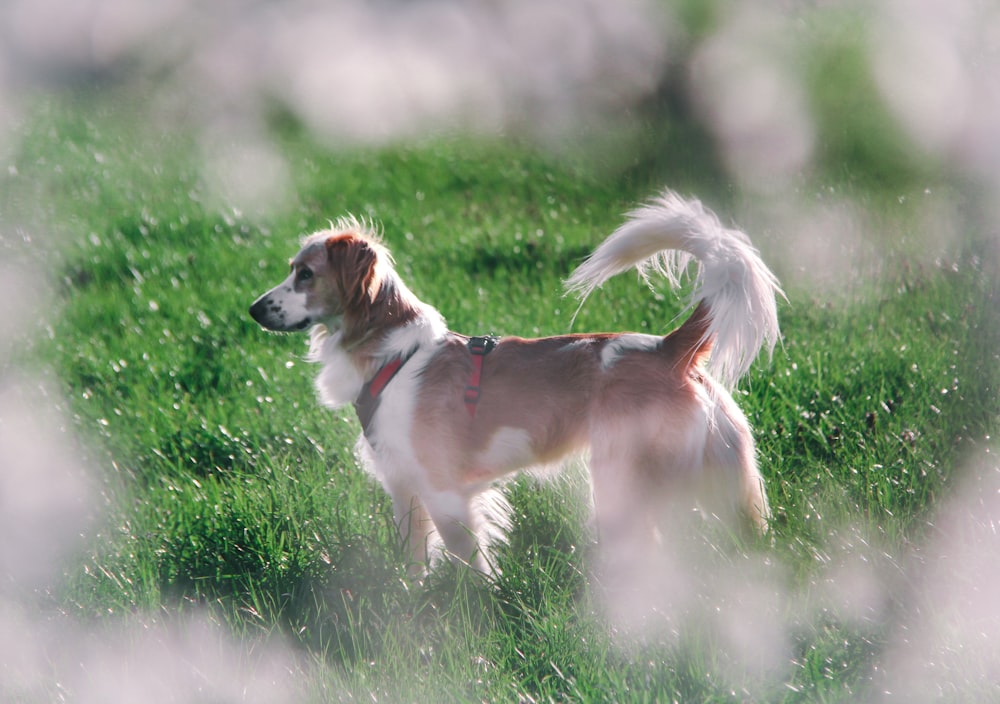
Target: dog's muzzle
<point x="271" y="315"/>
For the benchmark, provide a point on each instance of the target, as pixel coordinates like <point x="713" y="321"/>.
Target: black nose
<point x="258" y="310"/>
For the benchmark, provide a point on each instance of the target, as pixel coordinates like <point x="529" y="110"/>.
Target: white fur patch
<point x="339" y="382"/>
<point x="509" y="449"/>
<point x="628" y="342"/>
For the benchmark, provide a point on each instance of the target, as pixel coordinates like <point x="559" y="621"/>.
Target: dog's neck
<point x="393" y="324"/>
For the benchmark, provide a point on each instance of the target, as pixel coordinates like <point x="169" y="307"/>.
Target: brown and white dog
<point x="446" y="416"/>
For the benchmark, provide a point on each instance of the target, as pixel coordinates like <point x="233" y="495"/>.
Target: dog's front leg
<point x="416" y="529"/>
<point x="415" y="525"/>
<point x="458" y="526"/>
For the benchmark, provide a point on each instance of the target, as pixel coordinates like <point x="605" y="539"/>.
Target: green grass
<point x="226" y="489"/>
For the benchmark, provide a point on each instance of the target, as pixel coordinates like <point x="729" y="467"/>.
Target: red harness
<point x="479" y="347"/>
<point x="367" y="401"/>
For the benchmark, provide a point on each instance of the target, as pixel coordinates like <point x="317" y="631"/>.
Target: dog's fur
<point x="654" y="412"/>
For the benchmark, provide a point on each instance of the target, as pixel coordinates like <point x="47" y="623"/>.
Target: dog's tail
<point x="734" y="292"/>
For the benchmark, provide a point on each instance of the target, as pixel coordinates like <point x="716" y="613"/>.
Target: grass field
<point x="222" y="494"/>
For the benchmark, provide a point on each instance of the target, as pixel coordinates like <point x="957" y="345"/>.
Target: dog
<point x="445" y="416"/>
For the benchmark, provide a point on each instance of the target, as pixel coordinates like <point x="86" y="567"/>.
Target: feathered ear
<point x="354" y="260"/>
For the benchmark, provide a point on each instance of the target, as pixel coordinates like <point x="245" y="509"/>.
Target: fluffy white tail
<point x="738" y="288"/>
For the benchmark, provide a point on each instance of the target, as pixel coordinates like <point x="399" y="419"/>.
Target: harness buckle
<point x="483" y="345"/>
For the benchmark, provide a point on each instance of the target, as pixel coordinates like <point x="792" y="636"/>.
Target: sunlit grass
<point x="227" y="489"/>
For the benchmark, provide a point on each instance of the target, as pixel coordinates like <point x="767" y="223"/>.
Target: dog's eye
<point x="304" y="274"/>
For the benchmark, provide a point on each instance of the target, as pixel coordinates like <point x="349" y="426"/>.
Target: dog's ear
<point x="354" y="260"/>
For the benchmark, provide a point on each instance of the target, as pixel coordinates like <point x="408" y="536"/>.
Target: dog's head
<point x="336" y="274"/>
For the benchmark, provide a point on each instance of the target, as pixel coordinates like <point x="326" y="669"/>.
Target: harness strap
<point x="479" y="347"/>
<point x="367" y="401"/>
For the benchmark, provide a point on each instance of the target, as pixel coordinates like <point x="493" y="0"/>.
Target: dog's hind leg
<point x="733" y="479"/>
<point x="619" y="514"/>
<point x="645" y="467"/>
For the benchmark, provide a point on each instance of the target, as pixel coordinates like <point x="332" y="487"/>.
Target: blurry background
<point x="838" y="134"/>
<point x="779" y="100"/>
